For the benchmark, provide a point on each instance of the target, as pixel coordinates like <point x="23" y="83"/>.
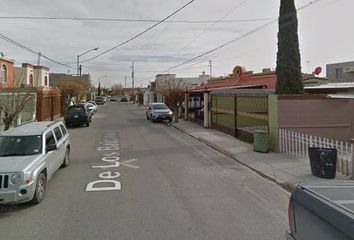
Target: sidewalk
<point x="283" y="170"/>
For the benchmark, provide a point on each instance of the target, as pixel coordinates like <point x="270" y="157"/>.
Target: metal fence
<point x="295" y="144"/>
<point x="239" y="115"/>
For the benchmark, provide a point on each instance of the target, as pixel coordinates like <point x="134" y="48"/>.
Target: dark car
<point x="77" y="115"/>
<point x="99" y="100"/>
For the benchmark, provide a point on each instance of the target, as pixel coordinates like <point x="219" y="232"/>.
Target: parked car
<point x="99" y="100"/>
<point x="77" y="115"/>
<point x="124" y="99"/>
<point x="95" y="107"/>
<point x="114" y="99"/>
<point x="322" y="211"/>
<point x="104" y="97"/>
<point x="158" y="111"/>
<point x="92" y="107"/>
<point x="29" y="155"/>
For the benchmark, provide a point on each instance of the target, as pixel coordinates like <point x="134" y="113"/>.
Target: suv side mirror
<point x="51" y="147"/>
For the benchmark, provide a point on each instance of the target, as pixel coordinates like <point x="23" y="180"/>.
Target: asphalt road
<point x="159" y="184"/>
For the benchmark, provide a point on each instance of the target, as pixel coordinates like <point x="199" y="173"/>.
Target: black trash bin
<point x="323" y="162"/>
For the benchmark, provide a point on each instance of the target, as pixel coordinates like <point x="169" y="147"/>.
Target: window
<point x="58" y="133"/>
<point x="63" y="129"/>
<point x="49" y="138"/>
<point x="20" y="145"/>
<point x="31" y="80"/>
<point x="339" y="73"/>
<point x="45" y="81"/>
<point x="3" y="74"/>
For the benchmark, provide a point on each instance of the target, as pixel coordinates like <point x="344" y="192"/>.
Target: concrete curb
<point x="287" y="186"/>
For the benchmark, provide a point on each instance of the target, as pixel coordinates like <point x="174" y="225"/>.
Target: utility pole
<point x="39" y="59"/>
<point x="132" y="74"/>
<point x="133" y="82"/>
<point x="210" y="69"/>
<point x="125" y="81"/>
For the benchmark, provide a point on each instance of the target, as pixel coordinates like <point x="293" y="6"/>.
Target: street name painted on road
<point x="110" y="154"/>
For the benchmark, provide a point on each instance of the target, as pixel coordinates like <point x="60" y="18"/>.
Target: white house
<point x="29" y="75"/>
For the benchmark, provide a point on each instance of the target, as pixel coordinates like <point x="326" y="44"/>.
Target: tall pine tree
<point x="99" y="89"/>
<point x="289" y="79"/>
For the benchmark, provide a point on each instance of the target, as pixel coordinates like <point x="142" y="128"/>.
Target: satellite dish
<point x="318" y="70"/>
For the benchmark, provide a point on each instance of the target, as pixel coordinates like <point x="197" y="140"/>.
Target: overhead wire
<point x="141" y="33"/>
<point x="13" y="42"/>
<point x="237" y="6"/>
<point x="131" y="20"/>
<point x="238" y="38"/>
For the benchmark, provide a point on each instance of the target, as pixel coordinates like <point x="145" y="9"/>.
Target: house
<point x="340" y="72"/>
<point x="152" y="94"/>
<point x="6" y="73"/>
<point x="241" y="78"/>
<point x="30" y="75"/>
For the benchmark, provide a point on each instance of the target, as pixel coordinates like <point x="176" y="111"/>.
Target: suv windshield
<point x="20" y="145"/>
<point x="159" y="106"/>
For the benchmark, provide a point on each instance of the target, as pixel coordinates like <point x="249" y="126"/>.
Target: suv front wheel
<point x="41" y="185"/>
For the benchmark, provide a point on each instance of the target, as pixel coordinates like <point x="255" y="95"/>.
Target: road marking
<point x="110" y="156"/>
<point x="126" y="163"/>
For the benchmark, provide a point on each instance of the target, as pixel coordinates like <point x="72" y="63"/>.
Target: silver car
<point x="158" y="111"/>
<point x="29" y="155"/>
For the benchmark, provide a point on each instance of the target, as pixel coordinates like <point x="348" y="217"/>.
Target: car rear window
<point x="58" y="133"/>
<point x="77" y="109"/>
<point x="63" y="129"/>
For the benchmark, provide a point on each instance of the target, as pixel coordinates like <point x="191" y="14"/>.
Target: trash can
<point x="260" y="141"/>
<point x="323" y="162"/>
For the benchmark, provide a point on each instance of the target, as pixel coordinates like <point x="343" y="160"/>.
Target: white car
<point x="92" y="106"/>
<point x="158" y="111"/>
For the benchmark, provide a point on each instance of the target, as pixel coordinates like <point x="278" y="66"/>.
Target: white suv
<point x="29" y="155"/>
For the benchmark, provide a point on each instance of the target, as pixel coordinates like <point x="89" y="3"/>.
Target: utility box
<point x="261" y="141"/>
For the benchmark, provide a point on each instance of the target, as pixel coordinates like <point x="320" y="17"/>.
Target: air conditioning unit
<point x="348" y="69"/>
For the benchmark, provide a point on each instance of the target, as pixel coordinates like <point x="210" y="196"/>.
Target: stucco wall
<point x="319" y="116"/>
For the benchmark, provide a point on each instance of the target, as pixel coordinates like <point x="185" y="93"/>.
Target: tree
<point x="173" y="91"/>
<point x="70" y="88"/>
<point x="99" y="89"/>
<point x="289" y="80"/>
<point x="12" y="102"/>
<point x="117" y="89"/>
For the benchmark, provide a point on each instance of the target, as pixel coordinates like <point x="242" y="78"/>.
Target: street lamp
<point x="78" y="60"/>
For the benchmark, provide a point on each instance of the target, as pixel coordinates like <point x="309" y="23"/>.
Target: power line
<point x="138" y="35"/>
<point x="131" y="20"/>
<point x="238" y="38"/>
<point x="13" y="42"/>
<point x="214" y="23"/>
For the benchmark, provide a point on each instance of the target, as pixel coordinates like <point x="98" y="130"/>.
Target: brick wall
<point x="48" y="104"/>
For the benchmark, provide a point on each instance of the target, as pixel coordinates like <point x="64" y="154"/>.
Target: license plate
<point x="76" y="116"/>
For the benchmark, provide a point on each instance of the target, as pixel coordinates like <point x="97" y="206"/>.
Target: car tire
<point x="147" y="117"/>
<point x="87" y="123"/>
<point x="66" y="160"/>
<point x="41" y="185"/>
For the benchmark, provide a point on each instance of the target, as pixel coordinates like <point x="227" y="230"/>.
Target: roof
<point x="27" y="129"/>
<point x="345" y="85"/>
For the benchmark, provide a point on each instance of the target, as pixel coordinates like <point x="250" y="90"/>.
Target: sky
<point x="325" y="34"/>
